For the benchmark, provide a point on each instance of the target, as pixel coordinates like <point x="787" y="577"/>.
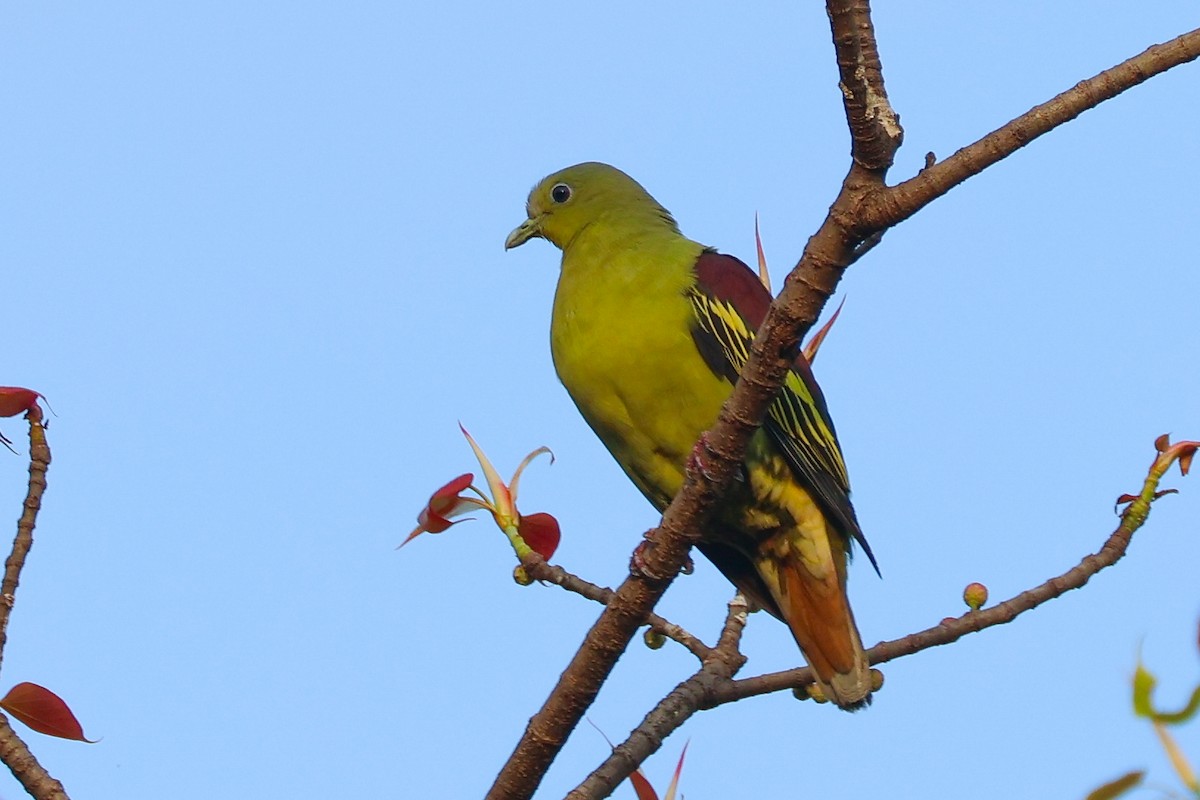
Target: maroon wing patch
<point x="730" y="304"/>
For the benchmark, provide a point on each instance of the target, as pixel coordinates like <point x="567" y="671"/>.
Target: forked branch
<point x="863" y="209"/>
<point x="710" y="688"/>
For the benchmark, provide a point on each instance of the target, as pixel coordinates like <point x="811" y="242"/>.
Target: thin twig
<point x="868" y="244"/>
<point x="538" y="569"/>
<point x="39" y="462"/>
<point x="951" y="630"/>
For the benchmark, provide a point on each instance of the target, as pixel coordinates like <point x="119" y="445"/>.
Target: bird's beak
<point x="521" y="234"/>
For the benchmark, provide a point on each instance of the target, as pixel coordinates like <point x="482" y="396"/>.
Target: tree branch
<point x="13" y="751"/>
<point x="714" y="686"/>
<point x="539" y="569"/>
<point x="670" y="712"/>
<point x="864" y="207"/>
<point x="25" y="768"/>
<point x="875" y="131"/>
<point x="39" y="463"/>
<point x="608" y="638"/>
<point x="886" y="208"/>
<point x="951" y="630"/>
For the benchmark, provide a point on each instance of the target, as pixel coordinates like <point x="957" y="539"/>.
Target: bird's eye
<point x="561" y="193"/>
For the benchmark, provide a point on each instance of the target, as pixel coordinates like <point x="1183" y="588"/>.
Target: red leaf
<point x="642" y="786"/>
<point x="1185" y="458"/>
<point x="42" y="710"/>
<point x="763" y="275"/>
<point x="1162" y="442"/>
<point x="433" y="517"/>
<point x="541" y="532"/>
<point x="15" y="400"/>
<point x="674" y="785"/>
<point x="814" y="344"/>
<point x="445" y="503"/>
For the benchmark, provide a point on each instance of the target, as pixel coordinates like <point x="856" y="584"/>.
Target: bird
<point x="649" y="331"/>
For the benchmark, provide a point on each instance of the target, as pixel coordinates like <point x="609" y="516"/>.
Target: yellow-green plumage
<point x="647" y="336"/>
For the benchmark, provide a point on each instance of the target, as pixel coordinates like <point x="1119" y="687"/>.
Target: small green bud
<point x="975" y="595"/>
<point x="814" y="692"/>
<point x="653" y="639"/>
<point x="521" y="576"/>
<point x="876" y="680"/>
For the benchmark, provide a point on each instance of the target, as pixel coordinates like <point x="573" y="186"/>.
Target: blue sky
<point x="254" y="259"/>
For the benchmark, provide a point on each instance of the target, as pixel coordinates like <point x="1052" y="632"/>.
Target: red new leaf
<point x="541" y="532"/>
<point x="1186" y="455"/>
<point x="814" y="344"/>
<point x="16" y="400"/>
<point x="646" y="792"/>
<point x="445" y="501"/>
<point x="641" y="785"/>
<point x="42" y="710"/>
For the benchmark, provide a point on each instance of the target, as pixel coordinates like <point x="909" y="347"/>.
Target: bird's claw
<point x="697" y="463"/>
<point x="637" y="562"/>
<point x="638" y="566"/>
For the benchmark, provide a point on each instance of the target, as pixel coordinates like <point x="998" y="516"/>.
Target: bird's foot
<point x="697" y="462"/>
<point x="637" y="562"/>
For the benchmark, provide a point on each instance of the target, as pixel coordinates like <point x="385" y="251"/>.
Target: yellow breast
<point x="622" y="346"/>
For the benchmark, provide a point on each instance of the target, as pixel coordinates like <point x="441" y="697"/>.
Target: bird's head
<point x="565" y="203"/>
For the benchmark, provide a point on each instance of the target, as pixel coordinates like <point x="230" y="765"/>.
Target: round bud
<point x="653" y="639"/>
<point x="975" y="595"/>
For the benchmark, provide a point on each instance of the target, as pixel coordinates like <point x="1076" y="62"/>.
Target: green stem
<point x="518" y="544"/>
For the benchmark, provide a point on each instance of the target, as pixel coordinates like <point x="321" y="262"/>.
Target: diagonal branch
<point x="710" y="688"/>
<point x="677" y="706"/>
<point x="25" y="768"/>
<point x="886" y="208"/>
<point x="951" y="630"/>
